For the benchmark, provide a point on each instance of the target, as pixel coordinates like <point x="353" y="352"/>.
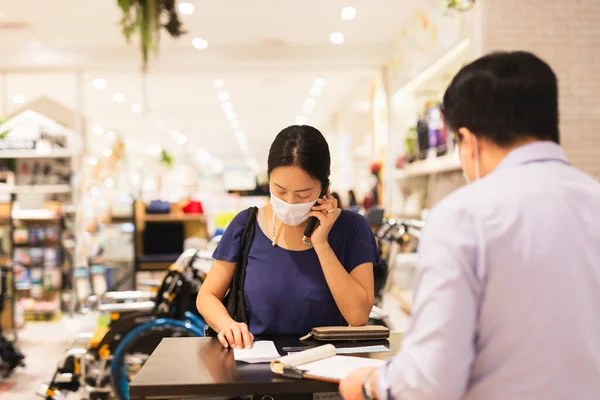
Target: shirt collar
<point x="534" y="152"/>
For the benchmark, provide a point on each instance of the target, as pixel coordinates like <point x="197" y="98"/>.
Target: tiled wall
<point x="567" y="35"/>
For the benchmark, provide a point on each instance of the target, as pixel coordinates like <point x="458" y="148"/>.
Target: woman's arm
<point x="210" y="305"/>
<point x="353" y="292"/>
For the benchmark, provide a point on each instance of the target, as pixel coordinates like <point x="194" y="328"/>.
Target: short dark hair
<point x="304" y="146"/>
<point x="504" y="97"/>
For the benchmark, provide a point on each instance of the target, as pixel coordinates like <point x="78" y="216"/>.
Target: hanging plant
<point x="460" y="5"/>
<point x="146" y="18"/>
<point x="166" y="159"/>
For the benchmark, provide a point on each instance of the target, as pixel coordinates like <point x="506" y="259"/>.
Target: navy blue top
<point x="285" y="291"/>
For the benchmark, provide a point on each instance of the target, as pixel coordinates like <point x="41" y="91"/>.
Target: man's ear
<point x="467" y="141"/>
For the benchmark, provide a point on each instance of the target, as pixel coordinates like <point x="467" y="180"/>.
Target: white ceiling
<point x="267" y="52"/>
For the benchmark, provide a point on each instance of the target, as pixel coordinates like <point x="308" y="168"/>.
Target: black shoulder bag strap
<point x="234" y="300"/>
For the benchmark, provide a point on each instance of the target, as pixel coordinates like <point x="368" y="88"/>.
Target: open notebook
<point x="321" y="363"/>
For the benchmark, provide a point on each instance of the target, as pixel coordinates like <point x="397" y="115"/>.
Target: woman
<point x="293" y="285"/>
<point x="337" y="198"/>
<point x="352" y="198"/>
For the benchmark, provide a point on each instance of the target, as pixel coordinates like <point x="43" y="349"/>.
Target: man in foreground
<point x="508" y="284"/>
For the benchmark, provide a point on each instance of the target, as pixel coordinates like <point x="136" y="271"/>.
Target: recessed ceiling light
<point x="92" y="161"/>
<point x="300" y="120"/>
<point x="99" y="83"/>
<point x="230" y="115"/>
<point x="186" y="8"/>
<point x="94" y="191"/>
<point x="19" y="99"/>
<point x="348" y="13"/>
<point x="200" y="43"/>
<point x="111" y="135"/>
<point x="107" y="152"/>
<point x="155" y="150"/>
<point x="227" y="107"/>
<point x="223" y="96"/>
<point x="309" y="105"/>
<point x="240" y="136"/>
<point x="136" y="108"/>
<point x="182" y="139"/>
<point x="234" y="124"/>
<point x="320" y="82"/>
<point x="203" y="156"/>
<point x="118" y="97"/>
<point x="315" y="91"/>
<point x="336" y="38"/>
<point x="216" y="165"/>
<point x="218" y="83"/>
<point x="98" y="130"/>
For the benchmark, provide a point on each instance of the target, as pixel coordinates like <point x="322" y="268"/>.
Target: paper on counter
<point x="364" y="349"/>
<point x="261" y="352"/>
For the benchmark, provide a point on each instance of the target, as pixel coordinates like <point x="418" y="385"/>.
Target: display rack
<point x="38" y="159"/>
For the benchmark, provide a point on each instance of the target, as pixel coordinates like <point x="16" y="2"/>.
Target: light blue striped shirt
<point x="507" y="292"/>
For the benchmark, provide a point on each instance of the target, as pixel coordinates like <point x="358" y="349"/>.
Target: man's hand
<point x="351" y="388"/>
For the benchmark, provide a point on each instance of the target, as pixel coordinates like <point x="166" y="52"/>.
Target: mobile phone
<point x="312" y="221"/>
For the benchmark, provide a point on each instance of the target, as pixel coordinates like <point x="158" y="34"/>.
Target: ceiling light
<point x="19" y="99"/>
<point x="119" y="98"/>
<point x="99" y="83"/>
<point x="300" y="120"/>
<point x="107" y="152"/>
<point x="240" y="136"/>
<point x="200" y="43"/>
<point x="111" y="135"/>
<point x="320" y="82"/>
<point x="315" y="91"/>
<point x="234" y="124"/>
<point x="155" y="150"/>
<point x="218" y="83"/>
<point x="94" y="191"/>
<point x="93" y="161"/>
<point x="309" y="105"/>
<point x="182" y="139"/>
<point x="203" y="157"/>
<point x="348" y="13"/>
<point x="186" y="8"/>
<point x="227" y="107"/>
<point x="109" y="182"/>
<point x="223" y="95"/>
<point x="230" y="115"/>
<point x="336" y="38"/>
<point x="136" y="108"/>
<point x="98" y="130"/>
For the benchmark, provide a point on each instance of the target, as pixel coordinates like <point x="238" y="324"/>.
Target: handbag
<point x="234" y="300"/>
<point x="349" y="333"/>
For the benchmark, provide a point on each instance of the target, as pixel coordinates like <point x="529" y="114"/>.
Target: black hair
<point x="304" y="146"/>
<point x="336" y="196"/>
<point x="504" y="97"/>
<point x="352" y="198"/>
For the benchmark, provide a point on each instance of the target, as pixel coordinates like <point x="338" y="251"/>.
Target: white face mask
<point x="291" y="214"/>
<point x="476" y="161"/>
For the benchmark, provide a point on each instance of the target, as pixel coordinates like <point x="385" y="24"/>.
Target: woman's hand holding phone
<point x="236" y="336"/>
<point x="327" y="212"/>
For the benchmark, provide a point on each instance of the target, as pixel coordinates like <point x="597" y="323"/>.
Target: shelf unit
<point x="40" y="154"/>
<point x="192" y="225"/>
<point x="446" y="163"/>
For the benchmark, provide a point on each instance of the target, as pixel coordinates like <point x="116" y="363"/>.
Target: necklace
<point x="305" y="240"/>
